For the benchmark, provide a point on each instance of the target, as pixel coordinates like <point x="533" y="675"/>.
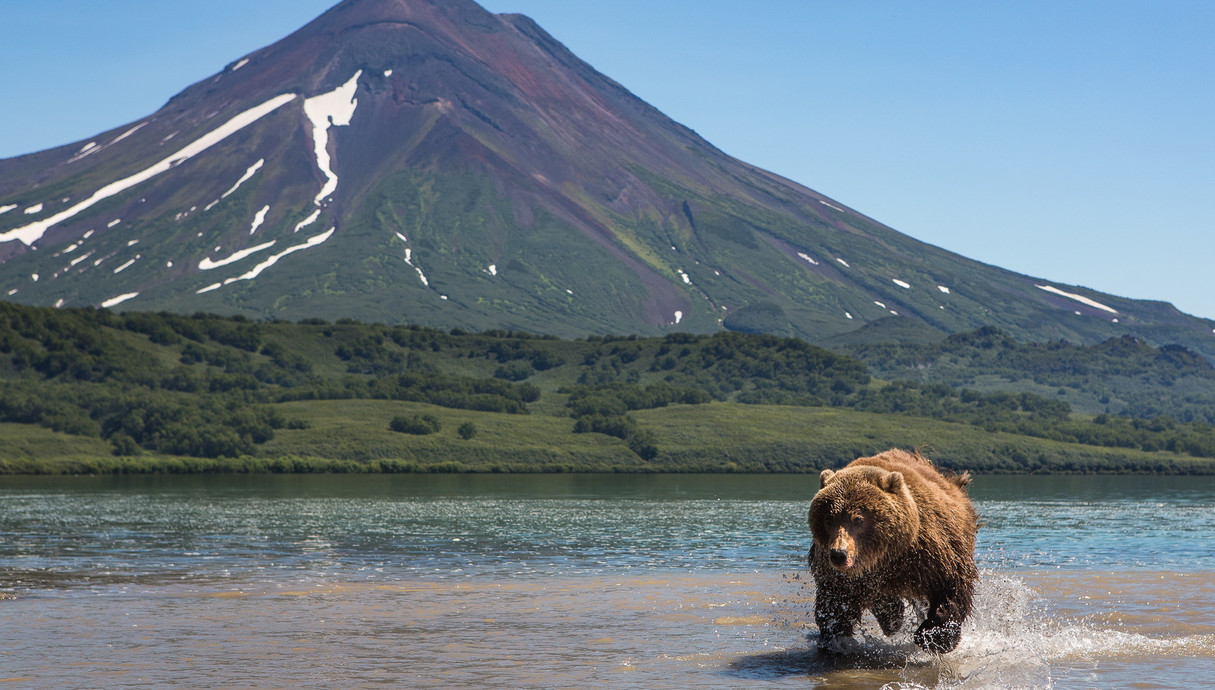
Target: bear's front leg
<point x="941" y="631"/>
<point x="889" y="615"/>
<point x="835" y="614"/>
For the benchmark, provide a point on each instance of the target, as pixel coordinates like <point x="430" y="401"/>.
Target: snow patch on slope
<point x="257" y="270"/>
<point x="244" y="178"/>
<point x="333" y="109"/>
<point x="1079" y="298"/>
<point x="29" y="234"/>
<point x="259" y="218"/>
<point x="207" y="264"/>
<point x="127" y="264"/>
<point x="114" y="301"/>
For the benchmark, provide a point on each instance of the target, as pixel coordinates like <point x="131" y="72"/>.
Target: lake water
<point x="572" y="581"/>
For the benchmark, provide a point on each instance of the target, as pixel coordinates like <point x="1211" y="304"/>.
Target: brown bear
<point x="890" y="528"/>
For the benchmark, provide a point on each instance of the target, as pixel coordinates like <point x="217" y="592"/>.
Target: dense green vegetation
<point x="94" y="391"/>
<point x="1121" y="376"/>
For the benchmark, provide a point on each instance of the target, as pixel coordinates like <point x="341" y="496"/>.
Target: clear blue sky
<point x="1070" y="140"/>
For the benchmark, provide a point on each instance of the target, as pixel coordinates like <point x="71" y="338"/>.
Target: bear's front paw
<point x="938" y="637"/>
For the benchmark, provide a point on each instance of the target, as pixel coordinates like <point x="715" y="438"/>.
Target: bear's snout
<point x="839" y="558"/>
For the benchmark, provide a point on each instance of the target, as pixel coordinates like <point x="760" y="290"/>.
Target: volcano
<point x="429" y="162"/>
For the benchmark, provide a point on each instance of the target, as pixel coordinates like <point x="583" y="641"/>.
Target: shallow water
<point x="572" y="581"/>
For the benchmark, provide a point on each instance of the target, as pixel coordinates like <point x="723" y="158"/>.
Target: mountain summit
<point x="430" y="162"/>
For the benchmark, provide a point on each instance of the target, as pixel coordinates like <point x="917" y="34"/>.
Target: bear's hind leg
<point x="889" y="615"/>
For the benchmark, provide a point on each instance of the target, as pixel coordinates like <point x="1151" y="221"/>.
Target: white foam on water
<point x="1011" y="640"/>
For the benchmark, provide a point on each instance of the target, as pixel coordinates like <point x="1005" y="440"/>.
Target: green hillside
<point x="93" y="391"/>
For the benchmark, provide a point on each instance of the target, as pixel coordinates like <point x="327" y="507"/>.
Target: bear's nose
<point x="839" y="556"/>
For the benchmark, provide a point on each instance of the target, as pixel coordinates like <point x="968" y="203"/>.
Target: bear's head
<point x="861" y="515"/>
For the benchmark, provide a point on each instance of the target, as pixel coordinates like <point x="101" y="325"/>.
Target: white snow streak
<point x="807" y="257"/>
<point x="1079" y="298"/>
<point x="36" y="208"/>
<point x="409" y="260"/>
<point x="308" y="221"/>
<point x="832" y="206"/>
<point x="686" y="279"/>
<point x="259" y="219"/>
<point x="333" y="109"/>
<point x="6" y="209"/>
<point x="843" y="262"/>
<point x="244" y="178"/>
<point x="81" y="258"/>
<point x="257" y="270"/>
<point x="127" y="264"/>
<point x="849" y="315"/>
<point x="127" y="133"/>
<point x="242" y="63"/>
<point x="678" y="317"/>
<point x="905" y="286"/>
<point x="207" y="264"/>
<point x="944" y="289"/>
<point x="113" y="223"/>
<point x="33" y="232"/>
<point x="493" y="270"/>
<point x="113" y="301"/>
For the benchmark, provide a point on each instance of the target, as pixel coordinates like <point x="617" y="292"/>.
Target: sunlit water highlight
<point x="572" y="582"/>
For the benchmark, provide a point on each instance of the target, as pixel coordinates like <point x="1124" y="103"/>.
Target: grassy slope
<point x="354" y="435"/>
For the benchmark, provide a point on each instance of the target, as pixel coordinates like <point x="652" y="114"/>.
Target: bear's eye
<point x="857" y="521"/>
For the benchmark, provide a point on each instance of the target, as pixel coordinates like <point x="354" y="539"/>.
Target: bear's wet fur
<point x="888" y="529"/>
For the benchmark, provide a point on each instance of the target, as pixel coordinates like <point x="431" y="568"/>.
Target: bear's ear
<point x="893" y="482"/>
<point x="824" y="477"/>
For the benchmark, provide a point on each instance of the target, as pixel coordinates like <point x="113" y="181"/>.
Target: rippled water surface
<point x="572" y="580"/>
